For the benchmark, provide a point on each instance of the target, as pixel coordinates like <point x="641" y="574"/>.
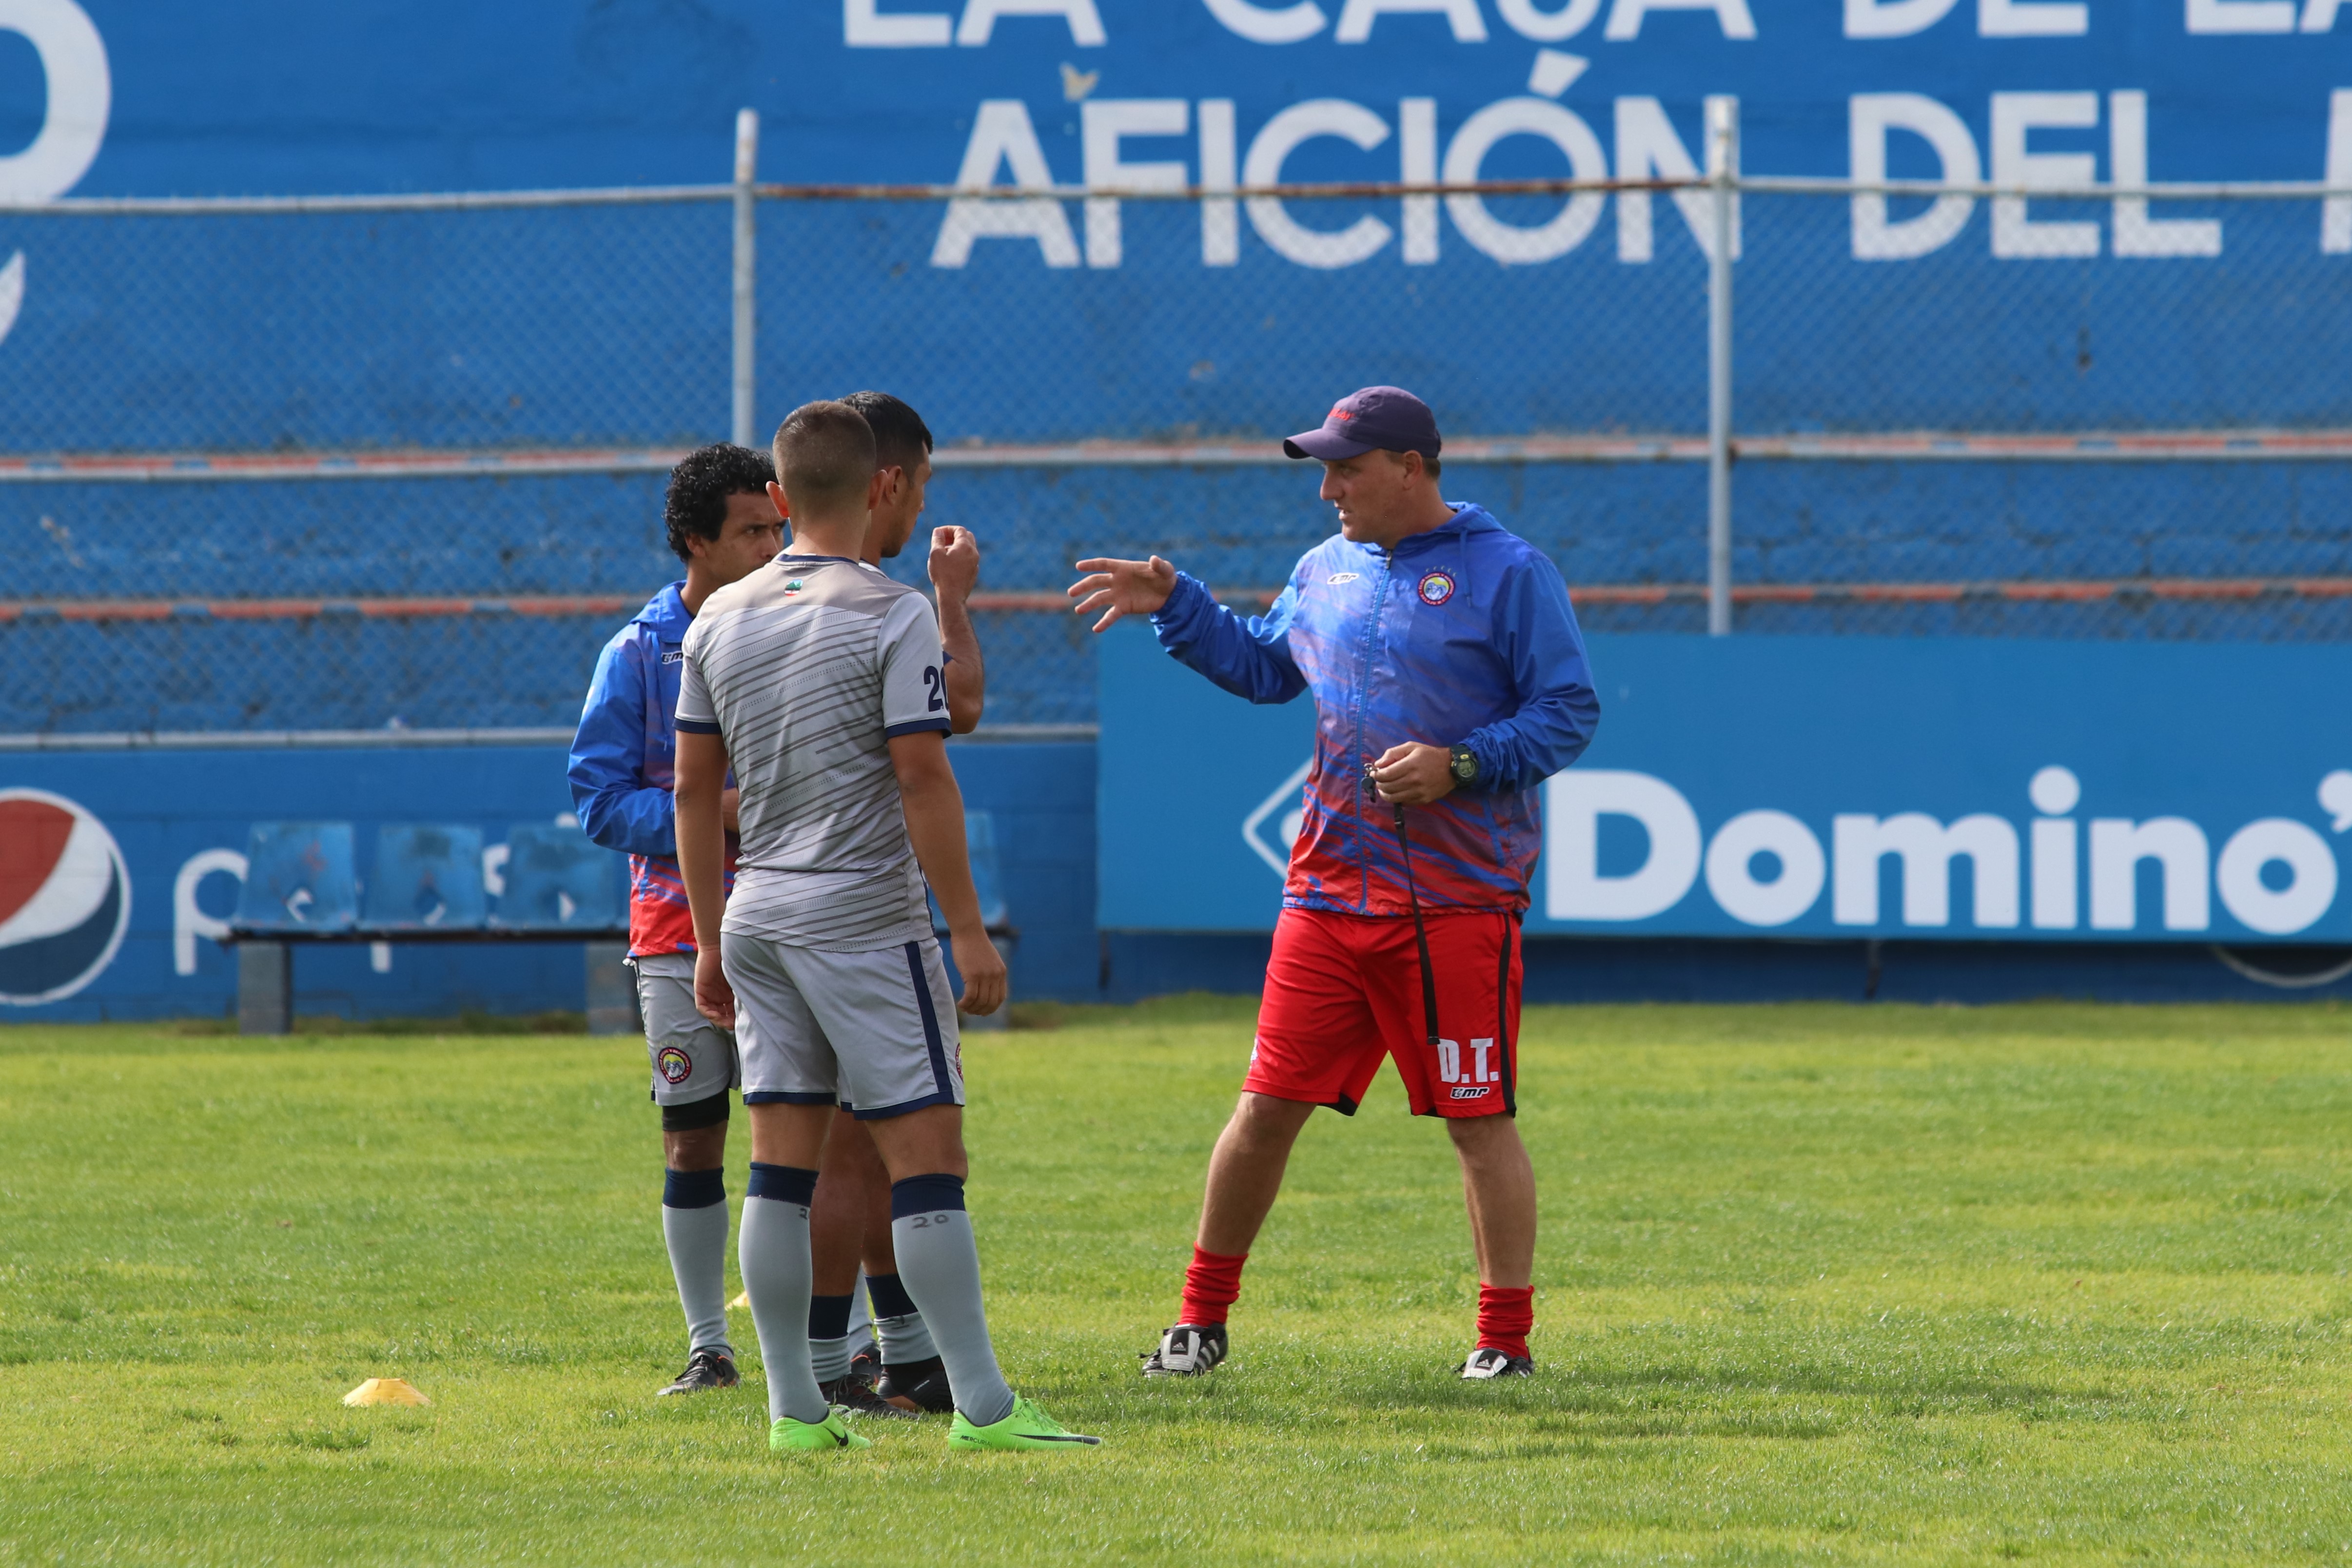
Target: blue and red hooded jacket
<point x="1462" y="636"/>
<point x="624" y="767"/>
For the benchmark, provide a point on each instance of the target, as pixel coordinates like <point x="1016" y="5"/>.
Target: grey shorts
<point x="874" y="1033"/>
<point x="693" y="1058"/>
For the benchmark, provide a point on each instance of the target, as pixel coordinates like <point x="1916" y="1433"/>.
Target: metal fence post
<point x="1723" y="160"/>
<point x="747" y="274"/>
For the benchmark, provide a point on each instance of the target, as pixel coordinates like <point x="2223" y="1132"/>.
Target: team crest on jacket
<point x="1436" y="587"/>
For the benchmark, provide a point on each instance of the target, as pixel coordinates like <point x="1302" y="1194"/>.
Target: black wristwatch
<point x="1464" y="764"/>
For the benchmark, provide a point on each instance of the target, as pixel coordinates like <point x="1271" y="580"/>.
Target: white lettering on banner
<point x="979" y="20"/>
<point x="1522" y="17"/>
<point x="1926" y="847"/>
<point x="2135" y="233"/>
<point x="1554" y="72"/>
<point x="2336" y="799"/>
<point x="1417" y="165"/>
<point x="1576" y="801"/>
<point x="189" y="921"/>
<point x="1261" y="24"/>
<point x="1894" y="18"/>
<point x="2311" y="868"/>
<point x="864" y="27"/>
<point x="1870" y="117"/>
<point x="2275" y="876"/>
<point x="2319" y="16"/>
<point x="11" y="292"/>
<point x="1300" y="123"/>
<point x="2174" y="843"/>
<point x="2055" y="792"/>
<point x="80" y="89"/>
<point x="1647" y="148"/>
<point x="1508" y="243"/>
<point x="1461" y="16"/>
<point x="1104" y="121"/>
<point x="2014" y="115"/>
<point x="2335" y="212"/>
<point x="2032" y="18"/>
<point x="2240" y="15"/>
<point x="1221" y="216"/>
<point x="1000" y="132"/>
<point x="1730" y="871"/>
<point x="1625" y="16"/>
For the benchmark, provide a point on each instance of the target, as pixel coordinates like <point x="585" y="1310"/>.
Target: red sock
<point x="1505" y="1317"/>
<point x="1212" y="1285"/>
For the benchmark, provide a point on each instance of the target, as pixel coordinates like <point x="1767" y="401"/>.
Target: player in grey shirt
<point x="820" y="681"/>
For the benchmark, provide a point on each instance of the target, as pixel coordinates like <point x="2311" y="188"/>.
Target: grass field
<point x="1818" y="1285"/>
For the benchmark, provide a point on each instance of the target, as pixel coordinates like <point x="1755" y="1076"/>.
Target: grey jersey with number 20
<point x="806" y="669"/>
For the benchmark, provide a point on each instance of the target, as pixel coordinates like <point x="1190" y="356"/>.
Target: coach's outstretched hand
<point x="1122" y="588"/>
<point x="713" y="997"/>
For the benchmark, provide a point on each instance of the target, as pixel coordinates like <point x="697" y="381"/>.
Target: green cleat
<point x="1026" y="1428"/>
<point x="790" y="1437"/>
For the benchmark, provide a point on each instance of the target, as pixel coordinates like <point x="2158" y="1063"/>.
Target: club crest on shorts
<point x="1436" y="587"/>
<point x="675" y="1066"/>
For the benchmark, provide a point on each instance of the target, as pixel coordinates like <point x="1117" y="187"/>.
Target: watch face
<point x="1466" y="766"/>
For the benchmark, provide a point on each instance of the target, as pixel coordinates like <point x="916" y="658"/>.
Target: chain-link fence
<point x="354" y="463"/>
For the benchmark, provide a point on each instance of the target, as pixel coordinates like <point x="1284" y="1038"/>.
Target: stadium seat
<point x="299" y="877"/>
<point x="557" y="880"/>
<point x="428" y="877"/>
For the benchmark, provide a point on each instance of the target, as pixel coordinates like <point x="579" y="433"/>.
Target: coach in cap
<point x="1449" y="681"/>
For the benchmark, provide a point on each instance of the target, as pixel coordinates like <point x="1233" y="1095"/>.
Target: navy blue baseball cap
<point x="1377" y="419"/>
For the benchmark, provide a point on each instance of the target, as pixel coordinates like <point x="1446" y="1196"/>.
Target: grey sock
<point x="861" y="1320"/>
<point x="940" y="1266"/>
<point x="829" y="1359"/>
<point x="694" y="1228"/>
<point x="774" y="1254"/>
<point x="905" y="1340"/>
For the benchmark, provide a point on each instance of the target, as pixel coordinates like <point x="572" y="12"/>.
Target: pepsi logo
<point x="65" y="897"/>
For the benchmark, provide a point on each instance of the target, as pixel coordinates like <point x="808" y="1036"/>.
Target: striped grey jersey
<point x="807" y="668"/>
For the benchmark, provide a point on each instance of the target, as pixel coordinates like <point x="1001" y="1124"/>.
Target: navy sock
<point x="693" y="1189"/>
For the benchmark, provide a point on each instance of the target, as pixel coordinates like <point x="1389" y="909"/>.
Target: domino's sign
<point x="1936" y="788"/>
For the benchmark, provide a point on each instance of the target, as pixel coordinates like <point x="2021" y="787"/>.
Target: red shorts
<point x="1344" y="991"/>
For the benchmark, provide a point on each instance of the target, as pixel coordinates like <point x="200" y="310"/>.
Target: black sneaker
<point x="1188" y="1349"/>
<point x="856" y="1395"/>
<point x="1486" y="1363"/>
<point x="917" y="1386"/>
<point x="867" y="1364"/>
<point x="705" y="1370"/>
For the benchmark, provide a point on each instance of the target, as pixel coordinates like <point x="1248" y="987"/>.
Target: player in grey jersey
<point x="820" y="681"/>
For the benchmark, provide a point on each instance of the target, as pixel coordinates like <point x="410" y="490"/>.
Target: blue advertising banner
<point x="1164" y="319"/>
<point x="1816" y="787"/>
<point x="119" y="872"/>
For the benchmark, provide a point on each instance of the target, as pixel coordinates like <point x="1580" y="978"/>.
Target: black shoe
<point x="867" y="1364"/>
<point x="917" y="1386"/>
<point x="856" y="1395"/>
<point x="705" y="1370"/>
<point x="1188" y="1349"/>
<point x="1486" y="1363"/>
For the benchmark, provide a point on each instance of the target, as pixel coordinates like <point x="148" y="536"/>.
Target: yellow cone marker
<point x="386" y="1391"/>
